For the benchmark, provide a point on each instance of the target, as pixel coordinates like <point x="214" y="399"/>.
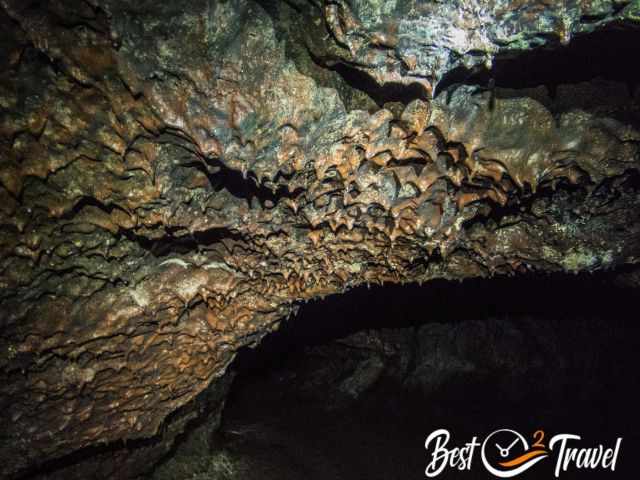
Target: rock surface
<point x="468" y="373"/>
<point x="176" y="176"/>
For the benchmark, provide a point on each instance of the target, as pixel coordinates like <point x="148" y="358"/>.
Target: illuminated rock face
<point x="175" y="176"/>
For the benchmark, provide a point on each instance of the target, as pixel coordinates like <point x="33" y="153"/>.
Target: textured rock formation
<point x="176" y="176"/>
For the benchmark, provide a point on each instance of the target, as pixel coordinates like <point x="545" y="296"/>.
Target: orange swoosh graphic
<point x="523" y="458"/>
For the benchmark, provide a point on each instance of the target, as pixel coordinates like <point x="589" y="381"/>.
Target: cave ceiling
<point x="176" y="177"/>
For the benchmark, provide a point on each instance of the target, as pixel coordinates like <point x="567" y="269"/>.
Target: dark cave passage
<point x="351" y="387"/>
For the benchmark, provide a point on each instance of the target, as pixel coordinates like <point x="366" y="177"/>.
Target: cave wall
<point x="176" y="176"/>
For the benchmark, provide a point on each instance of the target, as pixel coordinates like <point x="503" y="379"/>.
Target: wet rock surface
<point x="176" y="177"/>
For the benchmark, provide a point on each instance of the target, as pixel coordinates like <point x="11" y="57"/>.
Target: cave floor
<point x="297" y="441"/>
<point x="269" y="433"/>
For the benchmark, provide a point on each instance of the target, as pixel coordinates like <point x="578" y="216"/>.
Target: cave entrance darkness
<point x="351" y="387"/>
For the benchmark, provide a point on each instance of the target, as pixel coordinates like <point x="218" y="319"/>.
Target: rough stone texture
<point x="175" y="176"/>
<point x="137" y="458"/>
